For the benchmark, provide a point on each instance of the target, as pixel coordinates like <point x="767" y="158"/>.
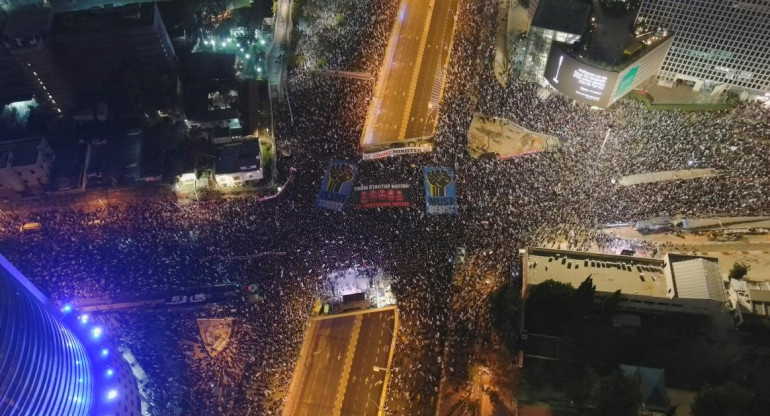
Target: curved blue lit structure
<point x="56" y="362"/>
<point x="44" y="368"/>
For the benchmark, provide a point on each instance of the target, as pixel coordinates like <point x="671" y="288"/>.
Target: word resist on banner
<point x="440" y="195"/>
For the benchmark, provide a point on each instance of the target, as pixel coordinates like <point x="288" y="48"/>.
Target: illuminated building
<point x="559" y="21"/>
<point x="54" y="363"/>
<point x="718" y="44"/>
<point x="588" y="54"/>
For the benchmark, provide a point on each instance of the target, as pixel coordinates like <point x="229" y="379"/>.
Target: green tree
<point x="739" y="271"/>
<point x="505" y="305"/>
<point x="618" y="396"/>
<point x="581" y="386"/>
<point x="548" y="306"/>
<point x="583" y="298"/>
<point x="611" y="303"/>
<point x="728" y="399"/>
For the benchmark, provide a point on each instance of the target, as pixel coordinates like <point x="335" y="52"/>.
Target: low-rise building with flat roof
<point x="238" y="164"/>
<point x="25" y="165"/>
<point x="211" y="93"/>
<point x="678" y="283"/>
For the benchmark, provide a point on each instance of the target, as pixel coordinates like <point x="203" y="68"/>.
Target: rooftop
<point x="24" y="155"/>
<point x="104" y="19"/>
<point x="697" y="278"/>
<point x="238" y="157"/>
<point x="24" y="152"/>
<point x="211" y="66"/>
<point x="28" y="21"/>
<point x="205" y="103"/>
<point x="632" y="275"/>
<point x="562" y="16"/>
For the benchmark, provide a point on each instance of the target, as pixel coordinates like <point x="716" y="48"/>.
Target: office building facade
<point x="26" y="39"/>
<point x="718" y="44"/>
<point x="54" y="361"/>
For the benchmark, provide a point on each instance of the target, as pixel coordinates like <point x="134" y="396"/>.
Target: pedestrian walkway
<point x="669" y="175"/>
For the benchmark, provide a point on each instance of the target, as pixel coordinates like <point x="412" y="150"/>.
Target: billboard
<point x="337" y="185"/>
<point x="578" y="80"/>
<point x="382" y="196"/>
<point x="440" y="191"/>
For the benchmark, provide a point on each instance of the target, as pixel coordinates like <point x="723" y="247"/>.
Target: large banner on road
<point x="337" y="185"/>
<point x="440" y="196"/>
<point x="382" y="196"/>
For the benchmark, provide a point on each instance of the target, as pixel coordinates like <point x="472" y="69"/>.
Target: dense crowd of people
<point x="558" y="196"/>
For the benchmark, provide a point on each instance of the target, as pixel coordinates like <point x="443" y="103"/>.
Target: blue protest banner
<point x="440" y="192"/>
<point x="337" y="185"/>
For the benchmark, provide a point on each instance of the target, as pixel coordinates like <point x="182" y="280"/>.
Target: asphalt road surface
<point x="335" y="373"/>
<point x="362" y="396"/>
<point x="405" y="103"/>
<point x="423" y="115"/>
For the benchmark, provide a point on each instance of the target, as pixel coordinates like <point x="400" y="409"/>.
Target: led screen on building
<point x="578" y="80"/>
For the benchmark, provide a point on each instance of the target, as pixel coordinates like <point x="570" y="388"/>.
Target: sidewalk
<point x="89" y="200"/>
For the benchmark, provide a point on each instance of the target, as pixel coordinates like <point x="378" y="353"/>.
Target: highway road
<point x="342" y="366"/>
<point x="364" y="387"/>
<point x="423" y="115"/>
<point x="412" y="73"/>
<point x="320" y="368"/>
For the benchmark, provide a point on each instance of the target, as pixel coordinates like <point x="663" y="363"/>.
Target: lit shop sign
<point x="578" y="80"/>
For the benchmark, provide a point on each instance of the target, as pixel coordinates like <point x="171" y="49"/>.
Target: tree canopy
<point x="552" y="305"/>
<point x="739" y="271"/>
<point x="728" y="399"/>
<point x="618" y="396"/>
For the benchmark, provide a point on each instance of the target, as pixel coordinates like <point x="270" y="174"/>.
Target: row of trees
<point x="553" y="306"/>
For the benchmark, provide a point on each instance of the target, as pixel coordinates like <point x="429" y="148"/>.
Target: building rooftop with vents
<point x="632" y="275"/>
<point x="562" y="16"/>
<point x="677" y="283"/>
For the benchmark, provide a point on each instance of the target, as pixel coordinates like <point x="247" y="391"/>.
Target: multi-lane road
<point x="411" y="79"/>
<point x="343" y="365"/>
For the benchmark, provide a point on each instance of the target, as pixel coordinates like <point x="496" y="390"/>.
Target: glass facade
<point x="716" y="42"/>
<point x="44" y="368"/>
<point x="536" y="49"/>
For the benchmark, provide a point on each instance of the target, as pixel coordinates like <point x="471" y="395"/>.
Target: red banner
<point x="382" y="196"/>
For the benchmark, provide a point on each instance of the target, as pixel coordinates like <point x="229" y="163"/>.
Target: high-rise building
<point x="590" y="53"/>
<point x="63" y="59"/>
<point x="718" y="44"/>
<point x="26" y="38"/>
<point x="68" y="5"/>
<point x="53" y="363"/>
<point x="93" y="46"/>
